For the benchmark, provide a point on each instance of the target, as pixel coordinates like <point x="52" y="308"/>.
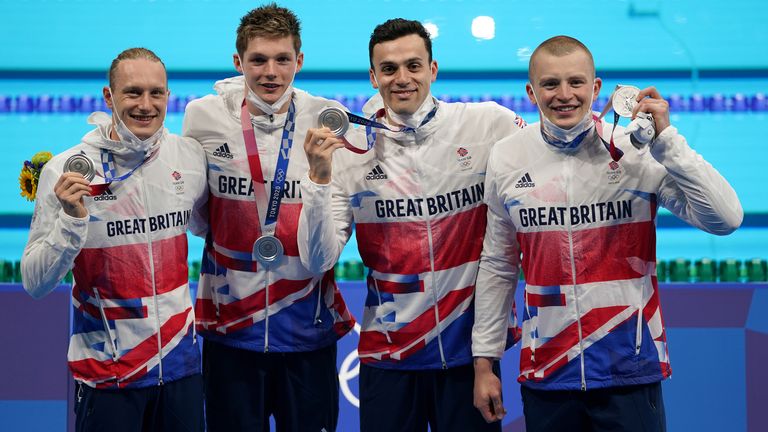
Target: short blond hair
<point x="560" y="46"/>
<point x="132" y="54"/>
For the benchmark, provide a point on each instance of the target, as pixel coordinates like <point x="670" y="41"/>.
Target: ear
<point x="433" y="70"/>
<point x="529" y="92"/>
<point x="107" y="97"/>
<point x="372" y="77"/>
<point x="299" y="61"/>
<point x="237" y="63"/>
<point x="598" y="86"/>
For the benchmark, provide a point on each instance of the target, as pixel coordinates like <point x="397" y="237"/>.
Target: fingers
<point x="320" y="141"/>
<point x="70" y="190"/>
<point x="487" y="392"/>
<point x="651" y="102"/>
<point x="487" y="413"/>
<point x="498" y="407"/>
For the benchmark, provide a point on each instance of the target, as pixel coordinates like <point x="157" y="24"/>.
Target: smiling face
<point x="403" y="73"/>
<point x="269" y="65"/>
<point x="563" y="87"/>
<point x="139" y="95"/>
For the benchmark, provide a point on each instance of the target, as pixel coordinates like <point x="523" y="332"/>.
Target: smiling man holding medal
<point x="270" y="325"/>
<point x="577" y="198"/>
<point x="413" y="187"/>
<point x="115" y="209"/>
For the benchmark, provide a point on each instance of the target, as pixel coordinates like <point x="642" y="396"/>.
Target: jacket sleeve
<point x="497" y="275"/>
<point x="198" y="224"/>
<point x="693" y="190"/>
<point x="325" y="223"/>
<point x="506" y="122"/>
<point x="55" y="239"/>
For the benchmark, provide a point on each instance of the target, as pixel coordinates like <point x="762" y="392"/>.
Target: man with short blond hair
<point x="575" y="205"/>
<point x="121" y="227"/>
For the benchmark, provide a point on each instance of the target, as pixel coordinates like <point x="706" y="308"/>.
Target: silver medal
<point x="624" y="100"/>
<point x="334" y="119"/>
<point x="267" y="249"/>
<point x="82" y="164"/>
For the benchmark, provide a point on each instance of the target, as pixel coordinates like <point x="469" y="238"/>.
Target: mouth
<point x="403" y="94"/>
<point x="564" y="109"/>
<point x="144" y="119"/>
<point x="270" y="86"/>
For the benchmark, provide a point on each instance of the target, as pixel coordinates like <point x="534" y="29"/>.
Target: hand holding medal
<point x="624" y="101"/>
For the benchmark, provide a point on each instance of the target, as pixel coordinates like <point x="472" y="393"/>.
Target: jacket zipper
<point x="266" y="309"/>
<point x="378" y="294"/>
<point x="639" y="330"/>
<point x="568" y="176"/>
<point x="432" y="272"/>
<point x="154" y="289"/>
<point x="112" y="340"/>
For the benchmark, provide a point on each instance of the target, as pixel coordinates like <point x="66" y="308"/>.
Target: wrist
<point x="483" y="364"/>
<point x="319" y="179"/>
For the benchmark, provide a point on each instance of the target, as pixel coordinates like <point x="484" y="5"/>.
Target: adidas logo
<point x="223" y="152"/>
<point x="376" y="174"/>
<point x="107" y="195"/>
<point x="525" y="182"/>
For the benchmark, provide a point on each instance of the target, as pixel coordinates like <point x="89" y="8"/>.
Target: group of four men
<point x="447" y="200"/>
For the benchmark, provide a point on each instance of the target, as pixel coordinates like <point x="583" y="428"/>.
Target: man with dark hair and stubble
<point x="269" y="324"/>
<point x="416" y="201"/>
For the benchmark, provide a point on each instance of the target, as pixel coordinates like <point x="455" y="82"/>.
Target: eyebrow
<point x="410" y="60"/>
<point x="140" y="89"/>
<point x="258" y="54"/>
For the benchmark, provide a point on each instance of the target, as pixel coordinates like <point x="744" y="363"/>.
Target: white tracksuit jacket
<point x="585" y="227"/>
<point x="283" y="308"/>
<point x="133" y="322"/>
<point x="416" y="201"/>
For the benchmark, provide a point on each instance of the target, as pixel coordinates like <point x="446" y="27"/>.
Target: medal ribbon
<point x="269" y="206"/>
<point x="370" y="124"/>
<point x="108" y="164"/>
<point x="615" y="152"/>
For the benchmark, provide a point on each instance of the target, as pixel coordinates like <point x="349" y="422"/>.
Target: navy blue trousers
<point x="408" y="401"/>
<point x="176" y="406"/>
<point x="244" y="388"/>
<point x="638" y="408"/>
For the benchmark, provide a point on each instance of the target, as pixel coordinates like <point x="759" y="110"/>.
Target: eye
<point x="550" y="84"/>
<point x="578" y="82"/>
<point x="388" y="69"/>
<point x="415" y="66"/>
<point x="284" y="59"/>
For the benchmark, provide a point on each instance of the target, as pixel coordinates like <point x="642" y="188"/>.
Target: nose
<point x="564" y="92"/>
<point x="145" y="102"/>
<point x="401" y="76"/>
<point x="270" y="68"/>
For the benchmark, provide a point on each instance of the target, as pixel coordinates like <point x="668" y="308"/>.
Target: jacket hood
<point x="99" y="137"/>
<point x="232" y="93"/>
<point x="376" y="103"/>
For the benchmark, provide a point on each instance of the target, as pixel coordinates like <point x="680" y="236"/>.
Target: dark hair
<point x="131" y="54"/>
<point x="268" y="21"/>
<point x="395" y="29"/>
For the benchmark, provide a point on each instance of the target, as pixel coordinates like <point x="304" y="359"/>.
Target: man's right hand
<point x="319" y="146"/>
<point x="70" y="190"/>
<point x="487" y="392"/>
